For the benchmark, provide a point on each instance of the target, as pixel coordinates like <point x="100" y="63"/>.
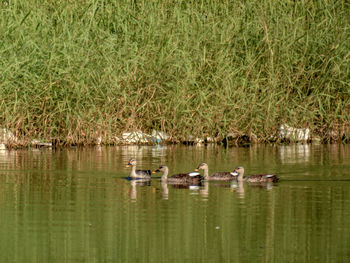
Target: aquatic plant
<point x="78" y="70"/>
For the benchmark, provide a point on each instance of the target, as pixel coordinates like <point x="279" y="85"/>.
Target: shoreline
<point x="285" y="135"/>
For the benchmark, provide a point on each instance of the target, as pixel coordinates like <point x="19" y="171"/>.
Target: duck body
<point x="144" y="174"/>
<point x="183" y="178"/>
<point x="262" y="178"/>
<point x="138" y="174"/>
<point x="222" y="176"/>
<point x="218" y="176"/>
<point x="256" y="178"/>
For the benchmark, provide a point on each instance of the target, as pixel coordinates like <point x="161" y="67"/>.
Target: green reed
<point x="77" y="70"/>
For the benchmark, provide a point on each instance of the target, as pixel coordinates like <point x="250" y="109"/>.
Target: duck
<point x="138" y="174"/>
<point x="257" y="178"/>
<point x="218" y="176"/>
<point x="191" y="177"/>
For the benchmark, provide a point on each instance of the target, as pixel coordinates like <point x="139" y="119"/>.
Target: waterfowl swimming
<point x="218" y="176"/>
<point x="145" y="174"/>
<point x="192" y="177"/>
<point x="257" y="178"/>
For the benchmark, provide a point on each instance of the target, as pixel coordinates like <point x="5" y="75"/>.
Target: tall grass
<point x="77" y="70"/>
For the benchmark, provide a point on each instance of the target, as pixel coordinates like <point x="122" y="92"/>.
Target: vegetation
<point x="77" y="70"/>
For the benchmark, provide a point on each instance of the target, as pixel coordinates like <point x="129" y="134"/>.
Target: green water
<point x="75" y="205"/>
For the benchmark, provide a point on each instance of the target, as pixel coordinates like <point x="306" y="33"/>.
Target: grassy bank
<point x="77" y="70"/>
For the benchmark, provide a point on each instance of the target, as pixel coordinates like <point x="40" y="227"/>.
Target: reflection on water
<point x="238" y="187"/>
<point x="297" y="153"/>
<point x="75" y="205"/>
<point x="165" y="190"/>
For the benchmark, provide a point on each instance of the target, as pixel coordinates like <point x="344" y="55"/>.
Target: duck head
<point x="238" y="171"/>
<point x="202" y="166"/>
<point x="162" y="168"/>
<point x="132" y="162"/>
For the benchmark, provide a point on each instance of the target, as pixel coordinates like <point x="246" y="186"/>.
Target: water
<point x="75" y="205"/>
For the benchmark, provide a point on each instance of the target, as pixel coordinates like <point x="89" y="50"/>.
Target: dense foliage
<point x="76" y="70"/>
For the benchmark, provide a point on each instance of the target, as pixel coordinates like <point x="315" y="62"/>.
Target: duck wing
<point x="271" y="178"/>
<point x="189" y="177"/>
<point x="179" y="176"/>
<point x="223" y="176"/>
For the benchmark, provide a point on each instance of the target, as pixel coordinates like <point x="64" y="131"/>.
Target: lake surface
<point x="75" y="205"/>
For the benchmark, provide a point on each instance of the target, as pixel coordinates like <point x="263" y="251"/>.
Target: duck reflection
<point x="165" y="187"/>
<point x="133" y="190"/>
<point x="238" y="187"/>
<point x="204" y="191"/>
<point x="190" y="186"/>
<point x="165" y="190"/>
<point x="266" y="186"/>
<point x="134" y="184"/>
<point x="200" y="187"/>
